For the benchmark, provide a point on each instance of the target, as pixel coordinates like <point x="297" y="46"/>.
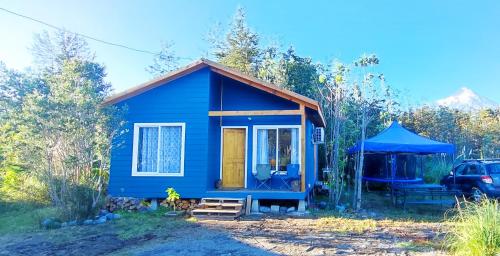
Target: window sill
<point x="156" y="174"/>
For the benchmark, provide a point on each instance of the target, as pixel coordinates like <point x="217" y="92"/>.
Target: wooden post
<point x="303" y="149"/>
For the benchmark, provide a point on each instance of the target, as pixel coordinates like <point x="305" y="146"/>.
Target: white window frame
<point x="254" y="145"/>
<point x="222" y="148"/>
<point x="135" y="151"/>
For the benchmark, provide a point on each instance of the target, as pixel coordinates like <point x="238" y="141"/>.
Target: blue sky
<point x="428" y="49"/>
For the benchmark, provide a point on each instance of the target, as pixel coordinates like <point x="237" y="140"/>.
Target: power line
<point x="79" y="34"/>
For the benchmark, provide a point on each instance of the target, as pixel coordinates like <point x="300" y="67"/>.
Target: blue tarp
<point x="396" y="138"/>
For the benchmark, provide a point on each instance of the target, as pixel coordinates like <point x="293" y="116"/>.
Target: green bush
<point x="17" y="185"/>
<point x="79" y="201"/>
<point x="435" y="170"/>
<point x="475" y="229"/>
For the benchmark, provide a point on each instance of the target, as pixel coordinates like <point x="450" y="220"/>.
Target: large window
<point x="277" y="146"/>
<point x="158" y="149"/>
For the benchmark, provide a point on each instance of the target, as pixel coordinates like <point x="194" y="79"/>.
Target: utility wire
<point x="79" y="34"/>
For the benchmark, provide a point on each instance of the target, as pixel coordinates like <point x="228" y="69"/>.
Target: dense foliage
<point x="56" y="134"/>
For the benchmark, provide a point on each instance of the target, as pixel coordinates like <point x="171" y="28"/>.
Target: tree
<point x="299" y="74"/>
<point x="269" y="68"/>
<point x="51" y="50"/>
<point x="62" y="131"/>
<point x="67" y="135"/>
<point x="367" y="97"/>
<point x="240" y="48"/>
<point x="332" y="91"/>
<point x="164" y="62"/>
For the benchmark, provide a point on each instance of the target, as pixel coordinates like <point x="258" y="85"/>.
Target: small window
<point x="460" y="170"/>
<point x="158" y="149"/>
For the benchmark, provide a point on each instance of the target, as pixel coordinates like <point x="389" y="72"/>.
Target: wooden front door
<point x="233" y="157"/>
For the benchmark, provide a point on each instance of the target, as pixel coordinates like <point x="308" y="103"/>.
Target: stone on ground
<point x="302" y="206"/>
<point x="264" y="209"/>
<point x="275" y="208"/>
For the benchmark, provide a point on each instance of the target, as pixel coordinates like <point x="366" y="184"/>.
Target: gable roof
<point x="222" y="70"/>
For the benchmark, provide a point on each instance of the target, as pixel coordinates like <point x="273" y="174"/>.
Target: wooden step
<point x="211" y="213"/>
<point x="215" y="211"/>
<point x="228" y="206"/>
<point x="219" y="208"/>
<point x="223" y="200"/>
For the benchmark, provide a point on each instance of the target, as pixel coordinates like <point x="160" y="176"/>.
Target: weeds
<point x="475" y="229"/>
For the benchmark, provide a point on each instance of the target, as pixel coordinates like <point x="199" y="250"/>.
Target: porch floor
<point x="257" y="194"/>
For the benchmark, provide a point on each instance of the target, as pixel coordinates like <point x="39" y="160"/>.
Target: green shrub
<point x="475" y="229"/>
<point x="79" y="201"/>
<point x="435" y="170"/>
<point x="17" y="185"/>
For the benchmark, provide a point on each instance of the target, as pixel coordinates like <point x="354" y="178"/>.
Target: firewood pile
<point x="123" y="203"/>
<point x="184" y="204"/>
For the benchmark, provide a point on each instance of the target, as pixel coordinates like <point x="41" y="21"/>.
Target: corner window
<point x="158" y="149"/>
<point x="277" y="146"/>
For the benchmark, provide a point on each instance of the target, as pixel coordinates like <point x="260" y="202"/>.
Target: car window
<point x="494" y="168"/>
<point x="460" y="170"/>
<point x="475" y="169"/>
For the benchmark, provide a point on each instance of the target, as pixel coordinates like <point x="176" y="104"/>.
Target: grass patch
<point x="139" y="224"/>
<point x="19" y="217"/>
<point x="345" y="225"/>
<point x="475" y="229"/>
<point x="418" y="246"/>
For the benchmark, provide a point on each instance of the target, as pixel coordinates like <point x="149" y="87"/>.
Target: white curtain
<point x="294" y="158"/>
<point x="170" y="149"/>
<point x="262" y="148"/>
<point x="148" y="149"/>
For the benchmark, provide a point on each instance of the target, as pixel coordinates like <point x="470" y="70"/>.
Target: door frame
<point x="222" y="149"/>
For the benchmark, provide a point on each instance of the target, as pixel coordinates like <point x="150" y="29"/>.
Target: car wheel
<point x="477" y="195"/>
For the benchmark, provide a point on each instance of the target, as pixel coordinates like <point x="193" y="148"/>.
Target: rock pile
<point x="104" y="215"/>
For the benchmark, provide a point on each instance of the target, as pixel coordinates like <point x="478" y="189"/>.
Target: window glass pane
<point x="475" y="169"/>
<point x="285" y="148"/>
<point x="266" y="147"/>
<point x="148" y="149"/>
<point x="170" y="149"/>
<point x="460" y="170"/>
<point x="494" y="168"/>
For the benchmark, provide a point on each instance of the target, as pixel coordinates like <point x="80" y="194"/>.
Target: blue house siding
<point x="187" y="100"/>
<point x="239" y="96"/>
<point x="183" y="100"/>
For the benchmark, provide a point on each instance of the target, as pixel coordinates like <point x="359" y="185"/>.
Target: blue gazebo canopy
<point x="397" y="139"/>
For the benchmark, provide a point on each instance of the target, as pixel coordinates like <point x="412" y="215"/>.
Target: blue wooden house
<point x="210" y="131"/>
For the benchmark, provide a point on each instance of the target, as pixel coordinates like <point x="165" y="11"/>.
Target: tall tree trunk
<point x="336" y="145"/>
<point x="359" y="170"/>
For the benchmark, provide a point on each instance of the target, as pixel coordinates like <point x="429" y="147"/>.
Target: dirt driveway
<point x="262" y="236"/>
<point x="296" y="237"/>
